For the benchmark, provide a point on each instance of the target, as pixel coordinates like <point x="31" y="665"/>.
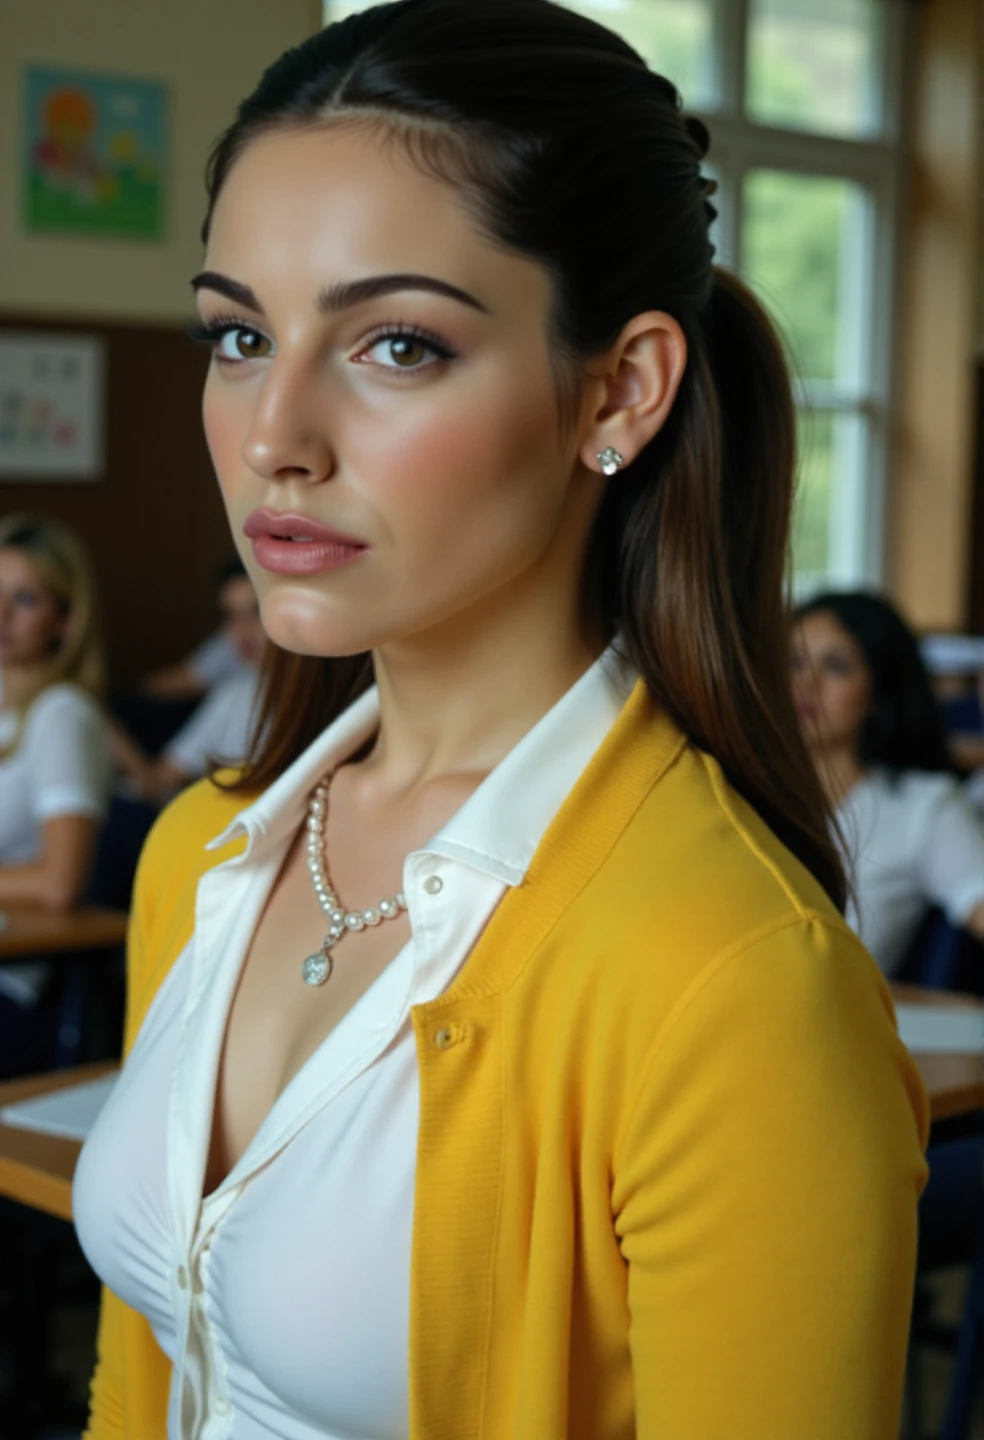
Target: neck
<point x="839" y="768"/>
<point x="455" y="700"/>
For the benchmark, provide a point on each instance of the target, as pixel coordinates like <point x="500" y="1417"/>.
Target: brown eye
<point x="250" y="344"/>
<point x="403" y="350"/>
<point x="407" y="352"/>
<point x="239" y="343"/>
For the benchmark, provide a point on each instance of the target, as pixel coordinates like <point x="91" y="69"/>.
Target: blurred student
<point x="55" y="769"/>
<point x="876" y="735"/>
<point x="224" y="654"/>
<point x="218" y="732"/>
<point x="956" y="669"/>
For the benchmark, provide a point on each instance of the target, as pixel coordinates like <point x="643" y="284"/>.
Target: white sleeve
<point x="66" y="746"/>
<point x="219" y="729"/>
<point x="215" y="659"/>
<point x="951" y="855"/>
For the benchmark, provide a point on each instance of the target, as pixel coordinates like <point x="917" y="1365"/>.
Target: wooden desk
<point x="40" y="932"/>
<point x="955" y="1082"/>
<point x="37" y="1169"/>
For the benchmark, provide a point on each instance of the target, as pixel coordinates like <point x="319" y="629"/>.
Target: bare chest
<point x="276" y="1022"/>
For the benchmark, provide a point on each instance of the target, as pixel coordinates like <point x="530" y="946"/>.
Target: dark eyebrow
<point x="232" y="289"/>
<point x="356" y="292"/>
<point x="341" y="297"/>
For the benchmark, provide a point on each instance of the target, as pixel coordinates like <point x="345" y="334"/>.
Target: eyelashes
<point x="416" y="334"/>
<point x="212" y="333"/>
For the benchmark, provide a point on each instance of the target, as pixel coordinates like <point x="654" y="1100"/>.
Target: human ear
<point x="632" y="387"/>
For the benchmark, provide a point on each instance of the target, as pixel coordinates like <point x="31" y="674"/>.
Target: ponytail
<point x="697" y="548"/>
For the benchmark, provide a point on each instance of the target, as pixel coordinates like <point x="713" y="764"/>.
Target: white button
<point x="433" y="885"/>
<point x="443" y="1039"/>
<point x="221" y="1405"/>
<point x="182" y="1277"/>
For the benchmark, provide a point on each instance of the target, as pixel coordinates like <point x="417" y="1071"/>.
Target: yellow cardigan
<point x="670" y="1145"/>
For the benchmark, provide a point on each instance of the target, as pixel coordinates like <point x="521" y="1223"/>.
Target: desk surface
<point x="955" y="1083"/>
<point x="37" y="1169"/>
<point x="42" y="932"/>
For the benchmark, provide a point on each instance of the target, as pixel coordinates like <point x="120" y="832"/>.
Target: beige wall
<point x="209" y="53"/>
<point x="930" y="501"/>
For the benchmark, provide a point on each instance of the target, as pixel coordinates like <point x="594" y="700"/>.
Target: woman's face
<point x="831" y="682"/>
<point x="381" y="408"/>
<point x="31" y="621"/>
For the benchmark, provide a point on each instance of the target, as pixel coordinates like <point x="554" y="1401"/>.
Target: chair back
<point x="936" y="954"/>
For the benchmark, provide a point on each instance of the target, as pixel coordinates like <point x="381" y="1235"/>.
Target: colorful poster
<point x="51" y="406"/>
<point x="94" y="154"/>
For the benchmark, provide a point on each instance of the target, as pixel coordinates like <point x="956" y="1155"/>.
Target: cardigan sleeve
<point x="125" y="1346"/>
<point x="765" y="1190"/>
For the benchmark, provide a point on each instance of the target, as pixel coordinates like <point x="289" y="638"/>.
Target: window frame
<point x="739" y="145"/>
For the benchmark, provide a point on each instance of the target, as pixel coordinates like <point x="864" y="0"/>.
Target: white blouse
<point x="260" y="1294"/>
<point x="912" y="841"/>
<point x="219" y="729"/>
<point x="215" y="659"/>
<point x="61" y="766"/>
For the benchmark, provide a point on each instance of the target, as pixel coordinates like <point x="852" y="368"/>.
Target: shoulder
<point x="176" y="848"/>
<point x="918" y="796"/>
<point x="236" y="690"/>
<point x="176" y="855"/>
<point x="699" y="894"/>
<point x="700" y="859"/>
<point x="63" y="703"/>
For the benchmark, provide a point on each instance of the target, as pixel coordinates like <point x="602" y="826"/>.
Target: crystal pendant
<point x="316" y="968"/>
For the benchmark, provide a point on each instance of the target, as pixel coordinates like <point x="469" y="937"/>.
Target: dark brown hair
<point x="570" y="151"/>
<point x="904" y="729"/>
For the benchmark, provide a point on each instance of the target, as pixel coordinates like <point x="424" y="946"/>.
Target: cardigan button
<point x="433" y="885"/>
<point x="443" y="1039"/>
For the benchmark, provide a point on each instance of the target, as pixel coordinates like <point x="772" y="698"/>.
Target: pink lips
<point x="291" y="544"/>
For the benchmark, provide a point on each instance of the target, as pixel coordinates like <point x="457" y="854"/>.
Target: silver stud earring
<point x="610" y="460"/>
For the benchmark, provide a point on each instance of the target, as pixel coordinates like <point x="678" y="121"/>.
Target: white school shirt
<point x="283" y="1299"/>
<point x="61" y="766"/>
<point x="215" y="659"/>
<point x="219" y="729"/>
<point x="912" y="841"/>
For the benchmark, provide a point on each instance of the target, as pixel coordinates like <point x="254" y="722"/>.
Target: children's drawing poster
<point x="94" y="154"/>
<point x="51" y="406"/>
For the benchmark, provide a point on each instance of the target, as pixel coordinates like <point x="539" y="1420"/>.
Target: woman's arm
<point x="174" y="682"/>
<point x="65" y="755"/>
<point x="951" y="861"/>
<point x="765" y="1192"/>
<point x="155" y="779"/>
<point x="57" y="879"/>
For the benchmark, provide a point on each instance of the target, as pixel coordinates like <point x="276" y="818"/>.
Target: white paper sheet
<point x="70" y="1112"/>
<point x="941" y="1029"/>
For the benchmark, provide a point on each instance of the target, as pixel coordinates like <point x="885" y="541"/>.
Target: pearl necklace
<point x="316" y="968"/>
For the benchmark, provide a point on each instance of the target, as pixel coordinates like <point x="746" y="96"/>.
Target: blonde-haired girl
<point x="55" y="769"/>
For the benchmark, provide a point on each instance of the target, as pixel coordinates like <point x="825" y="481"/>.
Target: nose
<point x="286" y="439"/>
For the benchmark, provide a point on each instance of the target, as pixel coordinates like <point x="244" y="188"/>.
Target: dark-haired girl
<point x="500" y="1064"/>
<point x="876" y="734"/>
